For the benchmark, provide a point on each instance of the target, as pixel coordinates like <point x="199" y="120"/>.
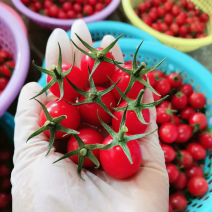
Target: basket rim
<point x="22" y="62"/>
<point x="64" y="23"/>
<point x="177" y="41"/>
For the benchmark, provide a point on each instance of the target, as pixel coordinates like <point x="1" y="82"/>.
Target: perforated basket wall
<point x="14" y="40"/>
<point x="184" y="45"/>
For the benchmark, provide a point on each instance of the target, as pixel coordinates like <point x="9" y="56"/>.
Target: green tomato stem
<point x="122" y="132"/>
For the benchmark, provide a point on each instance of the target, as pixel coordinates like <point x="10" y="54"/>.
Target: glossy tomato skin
<point x="176" y="120"/>
<point x="180" y="182"/>
<point x="168" y="132"/>
<point x="164" y="103"/>
<point x="178" y="202"/>
<point x="184" y="133"/>
<point x="3" y="200"/>
<point x="170" y="207"/>
<point x="179" y="101"/>
<point x="198" y="118"/>
<point x="60" y="108"/>
<point x="151" y="79"/>
<point x="163" y="86"/>
<point x="175" y="80"/>
<point x="206" y="140"/>
<point x="194" y="171"/>
<point x="197" y="100"/>
<point x="162" y="115"/>
<point x="132" y="122"/>
<point x="116" y="164"/>
<point x="187" y="112"/>
<point x="187" y="89"/>
<point x="172" y="172"/>
<point x="169" y="153"/>
<point x="186" y="160"/>
<point x="123" y="84"/>
<point x="4" y="171"/>
<point x="102" y="72"/>
<point x="197" y="186"/>
<point x="197" y="151"/>
<point x="88" y="136"/>
<point x="77" y="77"/>
<point x="89" y="111"/>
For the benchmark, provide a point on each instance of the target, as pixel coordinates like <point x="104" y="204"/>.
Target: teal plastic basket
<point x="193" y="73"/>
<point x="99" y="29"/>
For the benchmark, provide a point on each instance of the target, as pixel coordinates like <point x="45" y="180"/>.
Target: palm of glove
<point x="39" y="185"/>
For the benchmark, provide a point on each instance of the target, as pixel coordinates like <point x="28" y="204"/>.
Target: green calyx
<point x="98" y="56"/>
<point x="136" y="105"/>
<point x="56" y="74"/>
<point x="169" y="111"/>
<point x="83" y="152"/>
<point x="180" y="94"/>
<point x="120" y="138"/>
<point x="137" y="73"/>
<point x="92" y="96"/>
<point x="53" y="125"/>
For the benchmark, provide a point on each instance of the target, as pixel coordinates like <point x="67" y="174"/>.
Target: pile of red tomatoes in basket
<point x="6" y="68"/>
<point x="177" y="18"/>
<point x="183" y="135"/>
<point x="6" y="165"/>
<point x="66" y="9"/>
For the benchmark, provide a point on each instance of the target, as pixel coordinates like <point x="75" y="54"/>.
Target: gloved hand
<point x="40" y="186"/>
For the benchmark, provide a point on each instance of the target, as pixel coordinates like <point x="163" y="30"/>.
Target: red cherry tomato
<point x="176" y="120"/>
<point x="168" y="6"/>
<point x="151" y="79"/>
<point x="156" y="26"/>
<point x="168" y="19"/>
<point x="172" y="172"/>
<point x="103" y="71"/>
<point x="201" y="35"/>
<point x="196" y="150"/>
<point x="157" y="74"/>
<point x="186" y="160"/>
<point x="205" y="140"/>
<point x="147" y="20"/>
<point x="178" y="202"/>
<point x="89" y="111"/>
<point x="183" y="30"/>
<point x="4" y="171"/>
<point x="156" y="97"/>
<point x="163" y="86"/>
<point x="6" y="184"/>
<point x="175" y="10"/>
<point x="187" y="89"/>
<point x="116" y="164"/>
<point x="204" y="17"/>
<point x="4" y="155"/>
<point x="87" y="10"/>
<point x="200" y="119"/>
<point x="197" y="100"/>
<point x="3" y="200"/>
<point x="169" y="153"/>
<point x="174" y="27"/>
<point x="170" y="208"/>
<point x="5" y="54"/>
<point x="187" y="112"/>
<point x="169" y="33"/>
<point x="162" y="115"/>
<point x="123" y="84"/>
<point x="132" y="122"/>
<point x="60" y="108"/>
<point x="99" y="7"/>
<point x="190" y="6"/>
<point x="179" y="100"/>
<point x="164" y="103"/>
<point x="3" y="82"/>
<point x="163" y="27"/>
<point x="175" y="80"/>
<point x="194" y="171"/>
<point x="161" y="11"/>
<point x="88" y="136"/>
<point x="142" y="7"/>
<point x="180" y="182"/>
<point x="76" y="76"/>
<point x="168" y="132"/>
<point x="197" y="186"/>
<point x="184" y="133"/>
<point x="180" y="19"/>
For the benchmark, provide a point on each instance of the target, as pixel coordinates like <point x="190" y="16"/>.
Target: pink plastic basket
<point x="53" y="23"/>
<point x="14" y="40"/>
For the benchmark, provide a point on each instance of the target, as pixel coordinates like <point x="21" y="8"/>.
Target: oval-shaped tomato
<point x="116" y="164"/>
<point x="168" y="132"/>
<point x="169" y="153"/>
<point x="205" y="140"/>
<point x="200" y="119"/>
<point x="197" y="186"/>
<point x="102" y="72"/>
<point x="187" y="112"/>
<point x="178" y="202"/>
<point x="186" y="160"/>
<point x="197" y="100"/>
<point x="184" y="133"/>
<point x="89" y="111"/>
<point x="132" y="122"/>
<point x="124" y="82"/>
<point x="88" y="136"/>
<point x="172" y="172"/>
<point x="197" y="151"/>
<point x="180" y="182"/>
<point x="194" y="171"/>
<point x="60" y="108"/>
<point x="77" y="77"/>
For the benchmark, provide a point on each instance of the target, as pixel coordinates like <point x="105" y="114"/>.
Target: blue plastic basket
<point x="7" y="124"/>
<point x="99" y="29"/>
<point x="193" y="73"/>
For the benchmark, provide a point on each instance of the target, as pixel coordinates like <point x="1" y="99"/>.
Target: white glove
<point x="40" y="186"/>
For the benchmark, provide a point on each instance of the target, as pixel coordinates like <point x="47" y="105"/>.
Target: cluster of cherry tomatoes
<point x="177" y="18"/>
<point x="5" y="162"/>
<point x="6" y="68"/>
<point x="183" y="135"/>
<point x="66" y="9"/>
